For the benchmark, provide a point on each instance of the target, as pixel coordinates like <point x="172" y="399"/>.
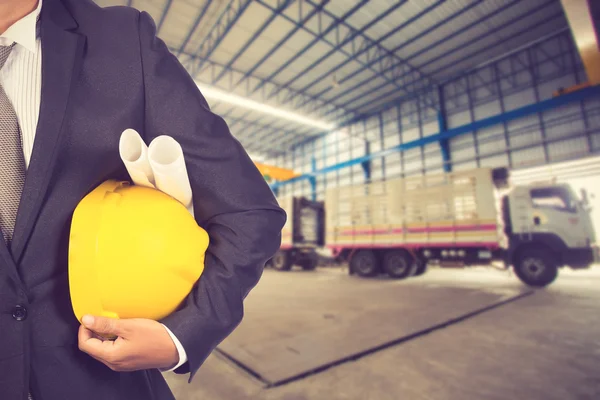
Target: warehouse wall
<point x="524" y="77"/>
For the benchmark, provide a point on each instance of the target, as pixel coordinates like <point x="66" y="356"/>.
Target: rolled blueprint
<point x="134" y="154"/>
<point x="166" y="159"/>
<point x="159" y="166"/>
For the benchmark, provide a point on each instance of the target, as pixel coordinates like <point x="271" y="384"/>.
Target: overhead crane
<point x="584" y="21"/>
<point x="273" y="173"/>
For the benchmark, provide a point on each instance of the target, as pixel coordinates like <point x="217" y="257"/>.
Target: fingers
<point x="105" y="351"/>
<point x="107" y="327"/>
<point x="89" y="343"/>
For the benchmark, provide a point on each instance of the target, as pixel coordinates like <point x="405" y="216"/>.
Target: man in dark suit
<point x="73" y="78"/>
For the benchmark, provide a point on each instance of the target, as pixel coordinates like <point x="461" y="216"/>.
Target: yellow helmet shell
<point x="134" y="252"/>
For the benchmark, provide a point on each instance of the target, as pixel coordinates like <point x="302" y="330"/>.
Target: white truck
<point x="460" y="219"/>
<point x="302" y="234"/>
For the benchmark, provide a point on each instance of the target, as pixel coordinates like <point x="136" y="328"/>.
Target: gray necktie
<point x="12" y="162"/>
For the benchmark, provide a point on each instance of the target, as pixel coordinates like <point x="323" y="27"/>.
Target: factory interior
<point x="439" y="165"/>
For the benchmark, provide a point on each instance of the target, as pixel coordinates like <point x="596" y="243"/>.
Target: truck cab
<point x="302" y="235"/>
<point x="548" y="227"/>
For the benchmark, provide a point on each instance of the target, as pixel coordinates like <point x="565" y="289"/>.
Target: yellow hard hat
<point x="134" y="252"/>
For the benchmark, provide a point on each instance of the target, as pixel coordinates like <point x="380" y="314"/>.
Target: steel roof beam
<point x="318" y="36"/>
<point x="349" y="38"/>
<point x="378" y="41"/>
<point x="256" y="123"/>
<point x="373" y="50"/>
<point x="562" y="33"/>
<point x="260" y="143"/>
<point x="284" y="144"/>
<point x="311" y="104"/>
<point x="251" y="145"/>
<point x="393" y="67"/>
<point x="487" y="34"/>
<point x="163" y="15"/>
<point x="298" y="132"/>
<point x="195" y="26"/>
<point x="232" y="122"/>
<point x="534" y="108"/>
<point x="452" y="51"/>
<point x="291" y="33"/>
<point x="280" y="8"/>
<point x="271" y="140"/>
<point x="226" y="21"/>
<point x="472" y="25"/>
<point x="466" y="57"/>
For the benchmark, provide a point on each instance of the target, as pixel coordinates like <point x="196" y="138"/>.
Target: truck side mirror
<point x="584" y="197"/>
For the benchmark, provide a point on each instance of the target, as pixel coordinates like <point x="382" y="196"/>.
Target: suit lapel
<point x="62" y="53"/>
<point x="9" y="262"/>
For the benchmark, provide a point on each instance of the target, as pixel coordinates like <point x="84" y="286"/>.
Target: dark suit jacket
<point x="104" y="70"/>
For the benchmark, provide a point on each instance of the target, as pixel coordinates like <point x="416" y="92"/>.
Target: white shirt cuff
<point x="180" y="350"/>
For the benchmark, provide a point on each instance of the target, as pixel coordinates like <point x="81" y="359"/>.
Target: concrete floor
<point x="494" y="339"/>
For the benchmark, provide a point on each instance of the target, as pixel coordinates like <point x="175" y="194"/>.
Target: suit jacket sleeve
<point x="232" y="201"/>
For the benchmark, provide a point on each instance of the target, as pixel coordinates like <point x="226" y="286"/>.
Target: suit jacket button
<point x="19" y="313"/>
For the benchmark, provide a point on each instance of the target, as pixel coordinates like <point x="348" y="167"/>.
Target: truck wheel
<point x="397" y="264"/>
<point x="536" y="267"/>
<point x="364" y="263"/>
<point x="420" y="268"/>
<point x="281" y="261"/>
<point x="310" y="262"/>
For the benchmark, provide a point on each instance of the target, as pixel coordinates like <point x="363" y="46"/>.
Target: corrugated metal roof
<point x="335" y="59"/>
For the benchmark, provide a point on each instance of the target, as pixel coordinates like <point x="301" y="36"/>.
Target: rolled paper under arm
<point x="134" y="154"/>
<point x="166" y="159"/>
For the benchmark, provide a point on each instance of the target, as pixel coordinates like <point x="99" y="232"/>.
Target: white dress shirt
<point x="21" y="78"/>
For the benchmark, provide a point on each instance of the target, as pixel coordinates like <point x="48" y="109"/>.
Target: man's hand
<point x="140" y="343"/>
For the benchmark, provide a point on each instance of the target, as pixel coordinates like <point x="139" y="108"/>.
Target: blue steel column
<point x="502" y="111"/>
<point x="443" y="127"/>
<point x="382" y="144"/>
<point x="531" y="109"/>
<point x="584" y="116"/>
<point x="293" y="168"/>
<point x="324" y="155"/>
<point x="472" y="115"/>
<point x="366" y="165"/>
<point x="536" y="90"/>
<point x="313" y="179"/>
<point x="400" y="140"/>
<point x="420" y="124"/>
<point x="337" y="159"/>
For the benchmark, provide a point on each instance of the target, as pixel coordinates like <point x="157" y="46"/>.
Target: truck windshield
<point x="557" y="198"/>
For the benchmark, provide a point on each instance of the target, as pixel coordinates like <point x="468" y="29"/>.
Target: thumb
<point x="103" y="325"/>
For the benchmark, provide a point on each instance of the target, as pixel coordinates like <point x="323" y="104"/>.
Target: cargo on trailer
<point x="457" y="219"/>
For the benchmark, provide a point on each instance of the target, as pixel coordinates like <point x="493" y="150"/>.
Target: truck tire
<point x="282" y="261"/>
<point x="536" y="267"/>
<point x="309" y="262"/>
<point x="420" y="268"/>
<point x="397" y="264"/>
<point x="364" y="263"/>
